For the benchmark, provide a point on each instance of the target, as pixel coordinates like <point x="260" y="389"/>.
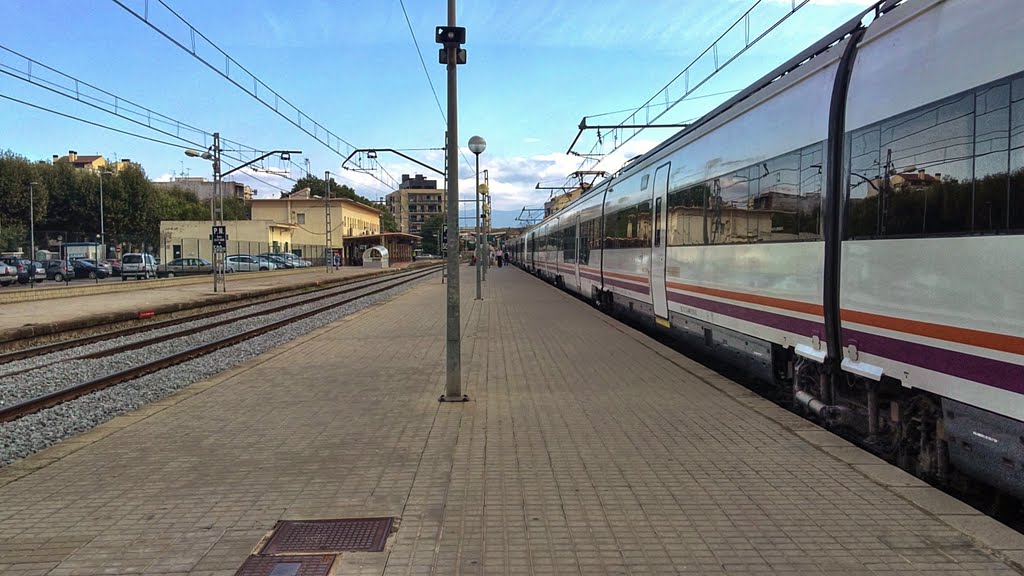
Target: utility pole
<point x="220" y="270"/>
<point x="452" y="37"/>
<point x="328" y="253"/>
<point x="487" y="225"/>
<point x="218" y="235"/>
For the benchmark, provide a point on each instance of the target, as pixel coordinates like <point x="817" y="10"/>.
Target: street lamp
<point x="477" y="145"/>
<point x="103" y="235"/>
<point x="32" y="227"/>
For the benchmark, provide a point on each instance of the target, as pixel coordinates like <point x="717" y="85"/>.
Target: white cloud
<point x="532" y="140"/>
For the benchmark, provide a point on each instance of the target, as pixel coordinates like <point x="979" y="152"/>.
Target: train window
<point x="1016" y="199"/>
<point x="733" y="193"/>
<point x="644" y="225"/>
<point x="863" y="171"/>
<point x="686" y="209"/>
<point x="778" y="197"/>
<point x="588" y="231"/>
<point x="644" y="180"/>
<point x="991" y="163"/>
<point x="569" y="244"/>
<point x="912" y="174"/>
<point x="616" y="225"/>
<point x="1016" y="208"/>
<point x="812" y="169"/>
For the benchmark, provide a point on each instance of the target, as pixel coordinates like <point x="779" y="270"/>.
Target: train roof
<point x="801" y="59"/>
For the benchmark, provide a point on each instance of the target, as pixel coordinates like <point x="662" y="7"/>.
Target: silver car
<point x="8" y="274"/>
<point x="247" y="263"/>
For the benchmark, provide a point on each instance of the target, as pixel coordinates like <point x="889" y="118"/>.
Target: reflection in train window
<point x="686" y="209"/>
<point x="948" y="168"/>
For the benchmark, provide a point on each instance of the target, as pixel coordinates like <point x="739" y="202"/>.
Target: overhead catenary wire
<point x="685" y="74"/>
<point x="118" y="130"/>
<point x="257" y="84"/>
<point x="117" y="108"/>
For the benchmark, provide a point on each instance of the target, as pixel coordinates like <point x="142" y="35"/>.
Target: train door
<point x="658" y="244"/>
<point x="576" y="239"/>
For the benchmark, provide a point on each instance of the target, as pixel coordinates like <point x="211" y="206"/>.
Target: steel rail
<point x="32" y="405"/>
<point x="85" y="340"/>
<point x="345" y="289"/>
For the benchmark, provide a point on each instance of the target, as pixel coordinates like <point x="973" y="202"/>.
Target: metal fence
<point x="173" y="248"/>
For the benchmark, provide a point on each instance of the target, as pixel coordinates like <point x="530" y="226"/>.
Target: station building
<point x="295" y="224"/>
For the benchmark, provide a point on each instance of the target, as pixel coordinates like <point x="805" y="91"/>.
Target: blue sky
<point x="535" y="68"/>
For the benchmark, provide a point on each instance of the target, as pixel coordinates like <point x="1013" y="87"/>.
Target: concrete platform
<point x="40" y="311"/>
<point x="587" y="448"/>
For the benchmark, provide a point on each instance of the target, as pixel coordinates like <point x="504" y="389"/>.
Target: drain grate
<point x="349" y="535"/>
<point x="286" y="566"/>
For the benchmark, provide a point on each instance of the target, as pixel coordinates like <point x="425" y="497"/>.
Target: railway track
<point x="41" y="350"/>
<point x="64" y="394"/>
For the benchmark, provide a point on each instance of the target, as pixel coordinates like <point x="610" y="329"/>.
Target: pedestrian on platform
<point x="499" y="257"/>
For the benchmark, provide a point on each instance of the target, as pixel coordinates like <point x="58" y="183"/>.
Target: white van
<point x="138" y="266"/>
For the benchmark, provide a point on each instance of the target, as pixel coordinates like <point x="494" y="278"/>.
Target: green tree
<point x="16" y="173"/>
<point x="387" y="219"/>
<point x="431" y="232"/>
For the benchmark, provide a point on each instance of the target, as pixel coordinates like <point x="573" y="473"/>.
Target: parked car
<point x="86" y="269"/>
<point x="115" y="266"/>
<point x="8" y="274"/>
<point x="184" y="266"/>
<point x="278" y="260"/>
<point x="26" y="269"/>
<point x="292" y="259"/>
<point x="138" y="266"/>
<point x="102" y="265"/>
<point x="247" y="263"/>
<point x="59" y="270"/>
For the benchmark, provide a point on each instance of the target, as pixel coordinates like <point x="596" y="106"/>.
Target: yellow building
<point x="191" y="239"/>
<point x="307" y="217"/>
<point x="92" y="163"/>
<point x="296" y="225"/>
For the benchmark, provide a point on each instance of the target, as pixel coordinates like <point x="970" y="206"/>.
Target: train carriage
<point x="849" y="226"/>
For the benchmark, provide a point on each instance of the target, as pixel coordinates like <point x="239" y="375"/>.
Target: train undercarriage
<point x="935" y="439"/>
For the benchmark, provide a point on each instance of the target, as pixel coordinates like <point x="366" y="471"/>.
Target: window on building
<point x="300" y="218"/>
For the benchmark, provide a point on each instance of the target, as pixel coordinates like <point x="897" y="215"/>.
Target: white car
<point x="138" y="266"/>
<point x="8" y="274"/>
<point x="246" y="263"/>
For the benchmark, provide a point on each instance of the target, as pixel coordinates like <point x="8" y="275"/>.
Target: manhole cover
<point x="358" y="534"/>
<point x="286" y="566"/>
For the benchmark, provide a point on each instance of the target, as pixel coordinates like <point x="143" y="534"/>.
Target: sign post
<point x="219" y="237"/>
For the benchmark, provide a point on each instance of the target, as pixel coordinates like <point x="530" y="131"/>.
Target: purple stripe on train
<point x="996" y="373"/>
<point x="627" y="285"/>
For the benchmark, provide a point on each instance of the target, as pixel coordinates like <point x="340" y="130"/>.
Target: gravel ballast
<point x="37" y="431"/>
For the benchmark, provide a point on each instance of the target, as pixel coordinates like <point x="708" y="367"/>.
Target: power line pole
<point x="218" y="257"/>
<point x="328" y="252"/>
<point x="452" y="37"/>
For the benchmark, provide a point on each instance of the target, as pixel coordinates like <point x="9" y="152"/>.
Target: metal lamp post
<point x="103" y="235"/>
<point x="32" y="227"/>
<point x="477" y="145"/>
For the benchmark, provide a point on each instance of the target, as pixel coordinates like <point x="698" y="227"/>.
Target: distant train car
<point x="849" y="228"/>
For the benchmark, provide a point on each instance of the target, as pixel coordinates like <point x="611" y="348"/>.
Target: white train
<point x="850" y="225"/>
